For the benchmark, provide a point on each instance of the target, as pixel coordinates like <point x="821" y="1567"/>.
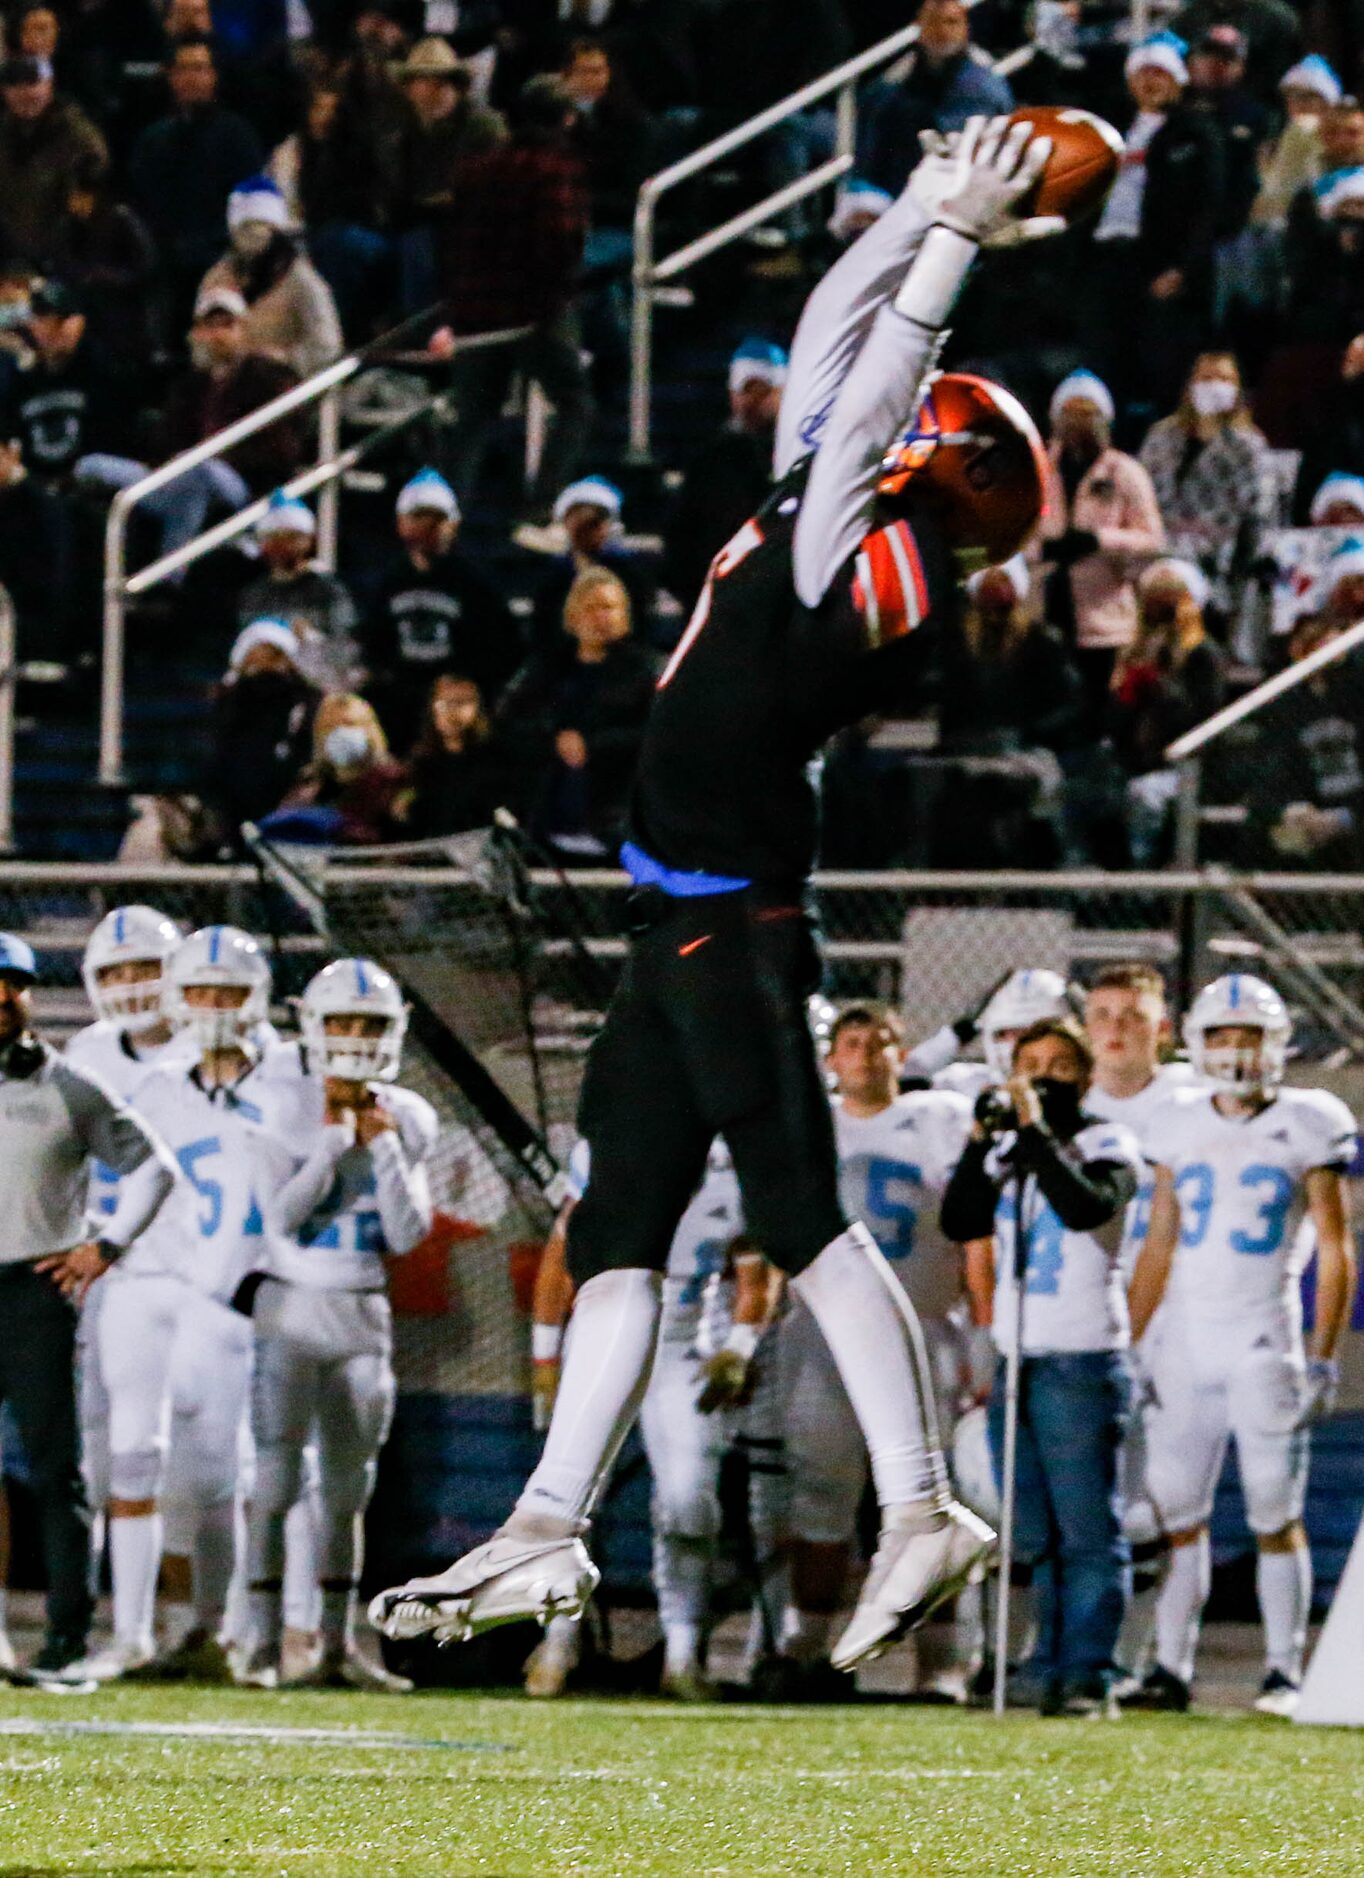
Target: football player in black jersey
<point x="816" y="613"/>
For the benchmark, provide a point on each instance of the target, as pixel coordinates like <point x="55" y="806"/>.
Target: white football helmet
<point x="353" y="988"/>
<point x="1025" y="998"/>
<point x="1238" y="998"/>
<point x="218" y="955"/>
<point x="130" y="935"/>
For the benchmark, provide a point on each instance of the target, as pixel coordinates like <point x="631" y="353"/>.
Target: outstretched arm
<point x="968" y="196"/>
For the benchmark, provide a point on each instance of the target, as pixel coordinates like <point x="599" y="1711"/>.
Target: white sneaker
<point x="111" y="1664"/>
<point x="911" y="1575"/>
<point x="1279" y="1696"/>
<point x="501" y="1582"/>
<point x="256" y="1669"/>
<point x="8" y="1660"/>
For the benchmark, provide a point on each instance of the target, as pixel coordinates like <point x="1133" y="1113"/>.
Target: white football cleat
<point x="553" y="1660"/>
<point x="257" y="1669"/>
<point x="111" y="1664"/>
<point x="501" y="1582"/>
<point x="1279" y="1696"/>
<point x="912" y="1574"/>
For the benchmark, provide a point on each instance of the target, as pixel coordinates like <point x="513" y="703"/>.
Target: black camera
<point x="995" y="1111"/>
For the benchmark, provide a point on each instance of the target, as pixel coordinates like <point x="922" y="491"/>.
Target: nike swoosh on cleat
<point x="694" y="945"/>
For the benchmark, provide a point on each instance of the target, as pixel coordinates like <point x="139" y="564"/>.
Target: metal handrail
<point x="649" y="273"/>
<point x="323" y="389"/>
<point x="1185" y="752"/>
<point x="9" y="673"/>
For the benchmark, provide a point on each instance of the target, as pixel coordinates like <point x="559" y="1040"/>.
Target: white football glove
<point x="1323" y="1380"/>
<point x="973" y="180"/>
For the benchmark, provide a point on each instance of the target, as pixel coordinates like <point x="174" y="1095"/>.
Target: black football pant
<point x="38" y="1380"/>
<point x="707" y="1034"/>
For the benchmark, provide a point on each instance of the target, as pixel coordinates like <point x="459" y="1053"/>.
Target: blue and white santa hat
<point x="1082" y="384"/>
<point x="1164" y="51"/>
<point x="593" y="492"/>
<point x="758" y="358"/>
<point x="856" y="198"/>
<point x="1314" y="74"/>
<point x="1337" y="487"/>
<point x="428" y="489"/>
<point x="1348" y="559"/>
<point x="262" y="632"/>
<point x="258" y="199"/>
<point x="1339" y="187"/>
<point x="286" y="515"/>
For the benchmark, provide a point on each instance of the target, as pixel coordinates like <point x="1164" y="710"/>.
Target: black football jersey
<point x="759" y="682"/>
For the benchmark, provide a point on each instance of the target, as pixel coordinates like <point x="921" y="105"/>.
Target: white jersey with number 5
<point x="210" y="1231"/>
<point x="106" y="1050"/>
<point x="1241" y="1186"/>
<point x="893" y="1169"/>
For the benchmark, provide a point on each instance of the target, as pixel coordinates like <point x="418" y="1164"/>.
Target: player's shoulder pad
<point x="418" y="1123"/>
<point x="1327" y="1127"/>
<point x="1110" y="1141"/>
<point x="87" y="1044"/>
<point x="1168" y="1129"/>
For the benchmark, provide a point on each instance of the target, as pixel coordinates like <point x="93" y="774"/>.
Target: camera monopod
<point x="1013" y="1364"/>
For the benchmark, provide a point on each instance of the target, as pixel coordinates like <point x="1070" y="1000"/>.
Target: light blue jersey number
<point x="359" y="1229"/>
<point x="1273" y="1187"/>
<point x="886" y="1196"/>
<point x="191" y="1158"/>
<point x="1046" y="1246"/>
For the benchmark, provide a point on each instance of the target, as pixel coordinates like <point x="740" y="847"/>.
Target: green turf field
<point x="149" y="1782"/>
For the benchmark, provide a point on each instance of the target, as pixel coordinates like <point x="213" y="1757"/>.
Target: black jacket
<point x="446" y="618"/>
<point x="727" y="483"/>
<point x="1182" y="208"/>
<point x="1084" y="1195"/>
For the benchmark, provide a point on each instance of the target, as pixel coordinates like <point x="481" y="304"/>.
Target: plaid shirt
<point x="512" y="242"/>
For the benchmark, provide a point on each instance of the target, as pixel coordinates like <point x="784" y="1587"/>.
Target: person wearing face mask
<point x="316" y="605"/>
<point x="1039" y="1163"/>
<point x="349" y="794"/>
<point x="1101" y="525"/>
<point x="1295" y="159"/>
<point x="589" y="513"/>
<point x="263" y="715"/>
<point x="290" y="312"/>
<point x="1207" y="462"/>
<point x="1169" y="679"/>
<point x="1326" y="273"/>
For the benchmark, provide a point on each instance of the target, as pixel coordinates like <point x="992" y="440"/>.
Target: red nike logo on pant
<point x="694" y="945"/>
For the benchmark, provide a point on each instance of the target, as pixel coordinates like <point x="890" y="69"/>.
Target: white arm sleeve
<point x="141" y="1195"/>
<point x="934" y="1053"/>
<point x="836" y="321"/>
<point x="301" y="1195"/>
<point x="404" y="1194"/>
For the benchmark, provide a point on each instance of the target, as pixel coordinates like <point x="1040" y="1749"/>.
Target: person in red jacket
<point x="508" y="255"/>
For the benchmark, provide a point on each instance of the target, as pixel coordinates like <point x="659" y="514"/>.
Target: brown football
<point x="1083" y="164"/>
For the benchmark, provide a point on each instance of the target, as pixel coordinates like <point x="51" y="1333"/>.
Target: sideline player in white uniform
<point x="1024" y="998"/>
<point x="896" y="1154"/>
<point x="123" y="971"/>
<point x="345" y="1190"/>
<point x="1128" y="1025"/>
<point x="166" y="1309"/>
<point x="719" y="1294"/>
<point x="1237" y="1167"/>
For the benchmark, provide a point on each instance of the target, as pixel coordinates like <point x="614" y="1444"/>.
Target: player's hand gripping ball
<point x="1083" y="164"/>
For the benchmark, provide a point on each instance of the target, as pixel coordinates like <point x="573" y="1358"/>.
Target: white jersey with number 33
<point x="893" y="1169"/>
<point x="1241" y="1186"/>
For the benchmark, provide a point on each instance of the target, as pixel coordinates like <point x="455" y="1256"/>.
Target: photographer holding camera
<point x="1036" y="1157"/>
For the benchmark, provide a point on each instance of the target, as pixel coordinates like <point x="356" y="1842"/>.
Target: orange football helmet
<point x="974" y="453"/>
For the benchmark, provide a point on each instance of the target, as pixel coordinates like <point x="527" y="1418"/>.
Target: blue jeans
<point x="1072" y="1412"/>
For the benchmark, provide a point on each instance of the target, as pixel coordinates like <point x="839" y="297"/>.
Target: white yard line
<point x="29" y="1726"/>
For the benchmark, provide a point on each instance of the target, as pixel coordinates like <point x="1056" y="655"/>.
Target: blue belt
<point x="645" y="871"/>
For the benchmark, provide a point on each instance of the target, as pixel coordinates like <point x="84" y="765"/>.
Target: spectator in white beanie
<point x="317" y="606"/>
<point x="291" y="315"/>
<point x="589" y="512"/>
<point x="262" y="726"/>
<point x="1338" y="502"/>
<point x="1101" y="525"/>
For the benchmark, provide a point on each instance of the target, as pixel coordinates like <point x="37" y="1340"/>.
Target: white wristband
<point x="743" y="1340"/>
<point x="546" y="1340"/>
<point x="930" y="288"/>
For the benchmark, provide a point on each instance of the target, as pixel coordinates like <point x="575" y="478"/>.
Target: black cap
<point x="56" y="298"/>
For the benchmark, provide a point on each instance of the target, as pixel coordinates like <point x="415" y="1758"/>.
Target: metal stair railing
<point x="1186" y="752"/>
<point x="650" y="274"/>
<point x="323" y="389"/>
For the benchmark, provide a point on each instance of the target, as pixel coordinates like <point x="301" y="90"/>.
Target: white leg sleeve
<point x="1284" y="1583"/>
<point x="1179" y="1611"/>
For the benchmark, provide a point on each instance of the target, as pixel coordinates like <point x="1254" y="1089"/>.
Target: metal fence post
<point x="115" y="624"/>
<point x="1186" y="813"/>
<point x="8" y="679"/>
<point x="641" y="326"/>
<point x="329" y="497"/>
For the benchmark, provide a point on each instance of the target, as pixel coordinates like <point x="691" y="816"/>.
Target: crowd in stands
<point x="203" y="203"/>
